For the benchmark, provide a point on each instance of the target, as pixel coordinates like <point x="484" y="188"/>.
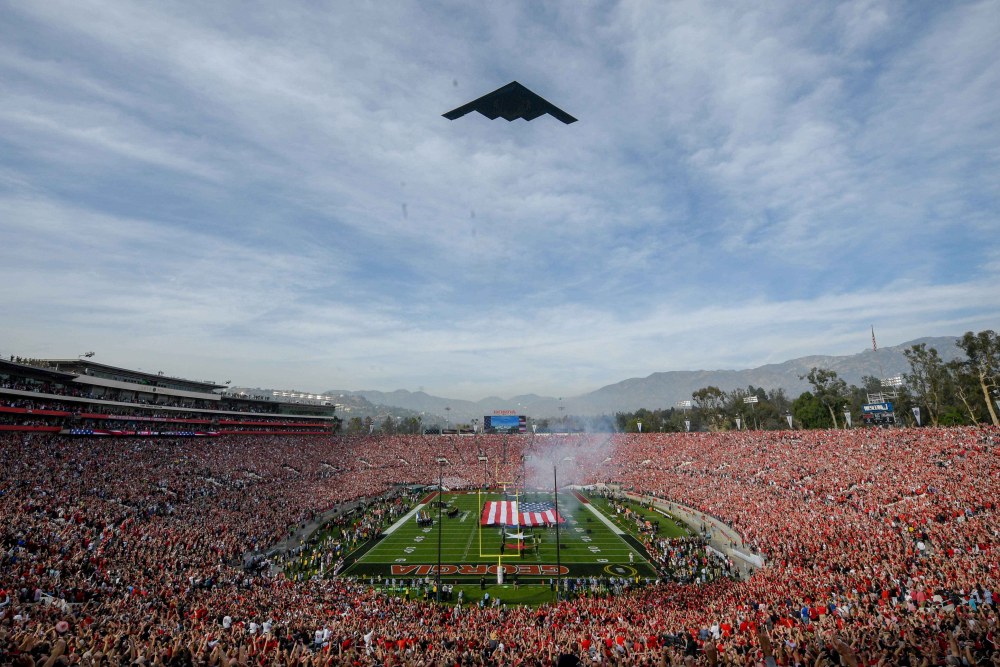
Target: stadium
<point x="155" y="520"/>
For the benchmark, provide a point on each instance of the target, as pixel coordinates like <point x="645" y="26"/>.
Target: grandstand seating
<point x="39" y="397"/>
<point x="881" y="548"/>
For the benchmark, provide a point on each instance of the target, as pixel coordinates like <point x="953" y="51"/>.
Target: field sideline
<point x="470" y="552"/>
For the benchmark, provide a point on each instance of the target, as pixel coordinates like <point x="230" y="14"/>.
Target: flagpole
<point x="440" y="461"/>
<point x="517" y="520"/>
<point x="555" y="481"/>
<point x="881" y="372"/>
<point x="440" y="480"/>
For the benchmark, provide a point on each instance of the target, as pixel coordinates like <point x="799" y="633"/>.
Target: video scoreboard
<point x="505" y="423"/>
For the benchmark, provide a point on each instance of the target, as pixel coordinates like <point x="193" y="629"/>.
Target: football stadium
<point x="157" y="520"/>
<point x="547" y="326"/>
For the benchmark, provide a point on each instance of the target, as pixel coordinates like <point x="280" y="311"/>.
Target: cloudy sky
<point x="267" y="192"/>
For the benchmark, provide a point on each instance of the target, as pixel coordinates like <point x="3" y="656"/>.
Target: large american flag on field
<point x="512" y="513"/>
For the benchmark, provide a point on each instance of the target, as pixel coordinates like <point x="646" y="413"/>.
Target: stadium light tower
<point x="524" y="473"/>
<point x="752" y="402"/>
<point x="555" y="482"/>
<point x="485" y="459"/>
<point x="442" y="462"/>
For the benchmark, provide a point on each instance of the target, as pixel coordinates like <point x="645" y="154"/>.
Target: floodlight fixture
<point x="555" y="497"/>
<point x="750" y="399"/>
<point x="894" y="381"/>
<point x="440" y="502"/>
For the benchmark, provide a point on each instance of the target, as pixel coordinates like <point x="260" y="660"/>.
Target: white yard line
<point x="468" y="544"/>
<point x="409" y="515"/>
<point x="607" y="522"/>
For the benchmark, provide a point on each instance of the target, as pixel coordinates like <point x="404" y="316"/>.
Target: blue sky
<point x="267" y="192"/>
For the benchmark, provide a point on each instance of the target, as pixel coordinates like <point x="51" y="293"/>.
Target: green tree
<point x="928" y="378"/>
<point x="355" y="425"/>
<point x="810" y="411"/>
<point x="965" y="386"/>
<point x="708" y="404"/>
<point x="952" y="416"/>
<point x="753" y="412"/>
<point x="983" y="352"/>
<point x="771" y="412"/>
<point x="734" y="408"/>
<point x="644" y="417"/>
<point x="828" y="388"/>
<point x="653" y="421"/>
<point x="411" y="424"/>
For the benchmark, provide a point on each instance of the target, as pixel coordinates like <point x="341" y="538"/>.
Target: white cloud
<point x="275" y="193"/>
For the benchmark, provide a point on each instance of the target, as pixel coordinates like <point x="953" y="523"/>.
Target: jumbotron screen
<point x="505" y="423"/>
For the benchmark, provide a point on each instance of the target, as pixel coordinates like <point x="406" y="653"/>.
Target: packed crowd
<point x="685" y="559"/>
<point x="324" y="551"/>
<point x="51" y="388"/>
<point x="30" y="361"/>
<point x="881" y="549"/>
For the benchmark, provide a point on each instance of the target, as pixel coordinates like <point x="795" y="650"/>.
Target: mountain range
<point x="658" y="390"/>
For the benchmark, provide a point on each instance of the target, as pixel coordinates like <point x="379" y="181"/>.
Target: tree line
<point x="960" y="392"/>
<point x="963" y="391"/>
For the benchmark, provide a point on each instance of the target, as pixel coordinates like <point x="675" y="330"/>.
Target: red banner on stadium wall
<point x="15" y="427"/>
<point x="32" y="411"/>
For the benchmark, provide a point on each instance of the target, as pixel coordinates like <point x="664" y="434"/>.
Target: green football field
<point x="470" y="552"/>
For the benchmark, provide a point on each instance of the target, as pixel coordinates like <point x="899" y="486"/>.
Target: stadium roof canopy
<point x="96" y="369"/>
